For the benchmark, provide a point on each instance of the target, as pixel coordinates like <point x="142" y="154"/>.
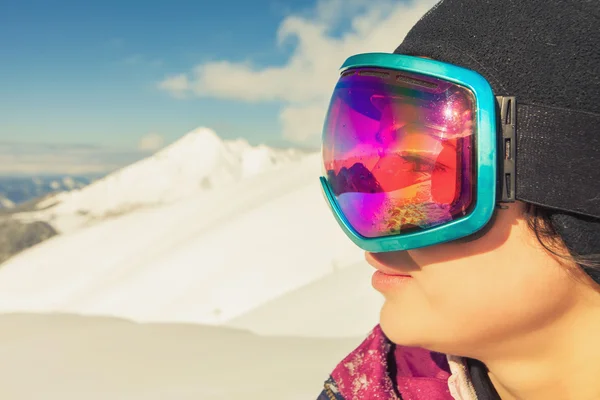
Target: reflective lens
<point x="398" y="151"/>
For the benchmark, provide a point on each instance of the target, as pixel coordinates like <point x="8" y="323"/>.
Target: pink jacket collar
<point x="418" y="374"/>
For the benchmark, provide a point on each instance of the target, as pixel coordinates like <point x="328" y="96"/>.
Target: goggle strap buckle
<point x="507" y="149"/>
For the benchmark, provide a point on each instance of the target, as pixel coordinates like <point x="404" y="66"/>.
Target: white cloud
<point x="151" y="142"/>
<point x="305" y="82"/>
<point x="176" y="85"/>
<point x="295" y="119"/>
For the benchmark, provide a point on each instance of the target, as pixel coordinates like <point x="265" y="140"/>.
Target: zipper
<point x="329" y="392"/>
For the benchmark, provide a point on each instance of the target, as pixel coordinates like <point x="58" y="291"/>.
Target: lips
<point x="398" y="263"/>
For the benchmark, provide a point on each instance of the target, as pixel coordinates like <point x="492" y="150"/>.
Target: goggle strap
<point x="507" y="148"/>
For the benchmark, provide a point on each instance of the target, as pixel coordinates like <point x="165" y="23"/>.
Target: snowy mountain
<point x="257" y="241"/>
<point x="198" y="162"/>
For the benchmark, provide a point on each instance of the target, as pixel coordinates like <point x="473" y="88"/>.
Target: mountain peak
<point x="198" y="161"/>
<point x="203" y="133"/>
<point x="199" y="139"/>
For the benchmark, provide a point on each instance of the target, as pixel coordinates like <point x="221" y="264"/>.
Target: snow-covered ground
<point x="63" y="357"/>
<point x="343" y="304"/>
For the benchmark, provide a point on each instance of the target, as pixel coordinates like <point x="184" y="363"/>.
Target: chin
<point x="414" y="329"/>
<point x="400" y="327"/>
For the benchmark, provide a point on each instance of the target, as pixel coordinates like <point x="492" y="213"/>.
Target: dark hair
<point x="540" y="222"/>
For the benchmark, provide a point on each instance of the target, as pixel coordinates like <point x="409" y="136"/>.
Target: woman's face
<point x="467" y="298"/>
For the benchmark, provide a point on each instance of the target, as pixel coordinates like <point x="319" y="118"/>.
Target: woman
<point x="467" y="165"/>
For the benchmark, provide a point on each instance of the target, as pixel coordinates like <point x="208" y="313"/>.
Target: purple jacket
<point x="380" y="370"/>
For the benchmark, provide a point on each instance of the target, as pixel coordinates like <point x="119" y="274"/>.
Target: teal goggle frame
<point x="495" y="155"/>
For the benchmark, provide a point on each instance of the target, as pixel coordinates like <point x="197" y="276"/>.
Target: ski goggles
<point x="413" y="152"/>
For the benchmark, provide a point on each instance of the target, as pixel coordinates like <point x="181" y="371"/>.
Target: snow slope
<point x="342" y="304"/>
<point x="208" y="258"/>
<point x="197" y="162"/>
<point x="64" y="357"/>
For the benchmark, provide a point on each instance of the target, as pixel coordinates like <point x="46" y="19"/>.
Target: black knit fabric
<point x="547" y="54"/>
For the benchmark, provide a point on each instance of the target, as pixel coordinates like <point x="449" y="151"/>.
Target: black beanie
<point x="546" y="53"/>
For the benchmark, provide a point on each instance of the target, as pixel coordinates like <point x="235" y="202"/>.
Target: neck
<point x="560" y="362"/>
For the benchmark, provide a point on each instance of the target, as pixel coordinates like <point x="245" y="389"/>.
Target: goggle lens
<point x="399" y="151"/>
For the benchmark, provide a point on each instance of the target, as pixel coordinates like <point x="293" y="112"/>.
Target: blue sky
<point x="107" y="74"/>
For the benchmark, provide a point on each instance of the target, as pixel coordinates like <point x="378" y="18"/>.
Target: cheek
<point x="465" y="296"/>
<point x="499" y="285"/>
